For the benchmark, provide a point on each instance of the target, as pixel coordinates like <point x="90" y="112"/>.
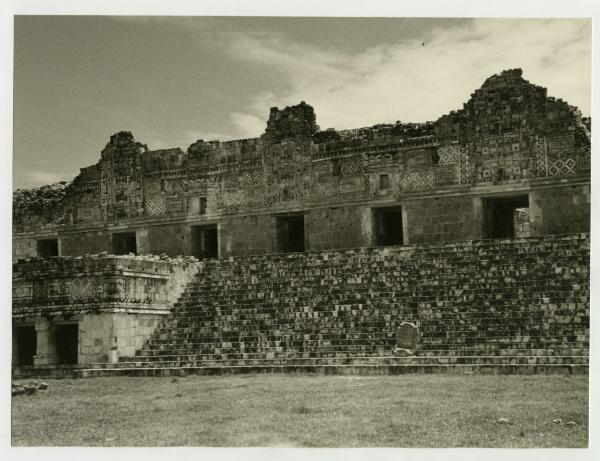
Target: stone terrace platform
<point x="489" y="306"/>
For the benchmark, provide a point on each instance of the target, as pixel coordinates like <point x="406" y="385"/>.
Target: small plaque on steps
<point x="408" y="335"/>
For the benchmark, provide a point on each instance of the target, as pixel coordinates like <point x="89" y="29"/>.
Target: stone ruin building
<point x="461" y="243"/>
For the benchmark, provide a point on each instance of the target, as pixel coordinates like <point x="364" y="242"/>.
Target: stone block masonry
<point x="106" y="337"/>
<point x="72" y="285"/>
<point x="510" y="137"/>
<point x="506" y="305"/>
<point x="444" y="219"/>
<point x="73" y="311"/>
<point x="336" y="206"/>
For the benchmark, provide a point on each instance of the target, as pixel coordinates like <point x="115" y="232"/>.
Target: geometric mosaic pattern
<point x="540" y="156"/>
<point x="156" y="206"/>
<point x="465" y="168"/>
<point x="179" y="186"/>
<point x="233" y="198"/>
<point x="305" y="187"/>
<point x="251" y="177"/>
<point x="351" y="166"/>
<point x="327" y="189"/>
<point x="562" y="167"/>
<point x="420" y="179"/>
<point x="448" y="155"/>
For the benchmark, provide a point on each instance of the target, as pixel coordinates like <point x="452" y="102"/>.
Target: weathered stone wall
<point x="562" y="210"/>
<point x="444" y="219"/>
<point x="248" y="235"/>
<point x="517" y="298"/>
<point x="102" y="335"/>
<point x="552" y="210"/>
<point x="115" y="302"/>
<point x="338" y="227"/>
<point x="24" y="247"/>
<point x="66" y="286"/>
<point x="291" y="123"/>
<point x="169" y="239"/>
<point x="85" y="242"/>
<point x="508" y="134"/>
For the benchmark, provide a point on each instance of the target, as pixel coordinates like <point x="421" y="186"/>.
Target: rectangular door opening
<point x="47" y="248"/>
<point x="67" y="342"/>
<point x="388" y="226"/>
<point x="124" y="243"/>
<point x="506" y="217"/>
<point x="26" y="344"/>
<point x="205" y="241"/>
<point x="290" y="233"/>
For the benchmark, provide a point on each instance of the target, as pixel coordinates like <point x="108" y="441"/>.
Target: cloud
<point x="188" y="137"/>
<point x="248" y="125"/>
<point x="415" y="80"/>
<point x="35" y="177"/>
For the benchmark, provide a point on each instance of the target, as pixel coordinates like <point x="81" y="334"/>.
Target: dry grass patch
<point x="306" y="411"/>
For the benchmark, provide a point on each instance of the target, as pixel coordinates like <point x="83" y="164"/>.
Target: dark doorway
<point x="47" y="248"/>
<point x="124" y="243"/>
<point x="388" y="226"/>
<point x="205" y="241"/>
<point x="290" y="233"/>
<point x="67" y="339"/>
<point x="26" y="344"/>
<point x="504" y="216"/>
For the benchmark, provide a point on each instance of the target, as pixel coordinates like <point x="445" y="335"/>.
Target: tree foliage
<point x="40" y="205"/>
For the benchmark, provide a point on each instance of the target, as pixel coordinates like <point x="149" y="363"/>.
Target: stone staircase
<point x="489" y="306"/>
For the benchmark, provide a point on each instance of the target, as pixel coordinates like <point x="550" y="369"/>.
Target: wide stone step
<point x="268" y="339"/>
<point x="338" y="370"/>
<point x="184" y="361"/>
<point x="561" y="351"/>
<point x="347" y="313"/>
<point x="344" y="323"/>
<point x="437" y="285"/>
<point x="319" y="351"/>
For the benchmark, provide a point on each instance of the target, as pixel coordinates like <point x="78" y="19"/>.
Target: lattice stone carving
<point x="540" y="156"/>
<point x="351" y="166"/>
<point x="449" y="155"/>
<point x="180" y="186"/>
<point x="233" y="198"/>
<point x="419" y="179"/>
<point x="465" y="167"/>
<point x="156" y="206"/>
<point x="306" y="189"/>
<point x="562" y="167"/>
<point x="325" y="190"/>
<point x="251" y="177"/>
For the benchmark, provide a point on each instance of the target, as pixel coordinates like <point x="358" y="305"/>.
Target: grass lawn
<point x="306" y="411"/>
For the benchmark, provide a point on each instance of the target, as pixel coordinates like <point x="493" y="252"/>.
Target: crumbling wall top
<point x="293" y="123"/>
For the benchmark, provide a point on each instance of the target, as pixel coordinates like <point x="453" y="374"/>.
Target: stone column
<point x="113" y="355"/>
<point x="46" y="343"/>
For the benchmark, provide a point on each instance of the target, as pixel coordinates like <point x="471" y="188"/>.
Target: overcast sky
<point x="171" y="81"/>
